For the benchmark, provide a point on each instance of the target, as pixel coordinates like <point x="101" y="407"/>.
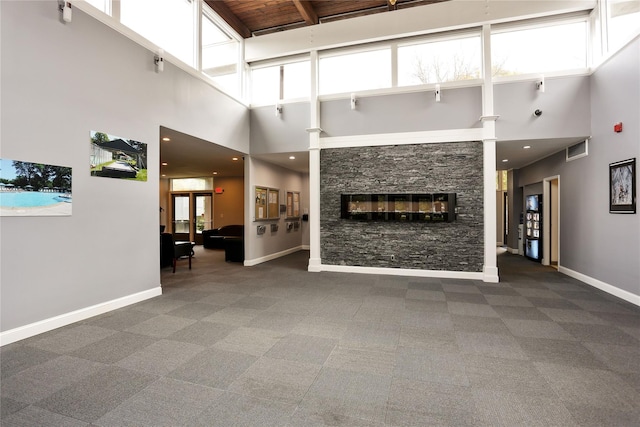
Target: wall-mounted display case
<point x="267" y="203"/>
<point x="427" y="207"/>
<point x="293" y="204"/>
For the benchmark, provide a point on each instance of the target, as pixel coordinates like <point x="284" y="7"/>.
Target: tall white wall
<point x="599" y="247"/>
<point x="60" y="81"/>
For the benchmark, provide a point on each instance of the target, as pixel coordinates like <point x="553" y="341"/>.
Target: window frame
<point x="550" y="21"/>
<point x="277" y="62"/>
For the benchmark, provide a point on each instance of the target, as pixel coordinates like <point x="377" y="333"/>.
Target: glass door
<point x="203" y="215"/>
<point x="180" y="219"/>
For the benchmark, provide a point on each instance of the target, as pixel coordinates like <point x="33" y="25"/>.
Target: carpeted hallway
<point x="274" y="345"/>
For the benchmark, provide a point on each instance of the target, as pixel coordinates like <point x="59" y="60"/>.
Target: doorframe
<point x="546" y="221"/>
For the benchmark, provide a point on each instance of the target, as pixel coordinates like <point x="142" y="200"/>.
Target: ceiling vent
<point x="581" y="149"/>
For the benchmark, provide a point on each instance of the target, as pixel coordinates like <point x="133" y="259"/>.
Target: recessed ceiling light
<point x="505" y="160"/>
<point x="215" y="173"/>
<point x="292" y="157"/>
<point x="166" y="138"/>
<point x="526" y="147"/>
<point x="164" y="163"/>
<point x="164" y="175"/>
<point x="234" y="159"/>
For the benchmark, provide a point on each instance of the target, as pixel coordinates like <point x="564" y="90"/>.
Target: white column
<point x="490" y="268"/>
<point x="314" y="169"/>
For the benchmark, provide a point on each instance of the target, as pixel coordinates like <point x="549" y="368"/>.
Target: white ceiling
<point x="189" y="157"/>
<point x="519" y="157"/>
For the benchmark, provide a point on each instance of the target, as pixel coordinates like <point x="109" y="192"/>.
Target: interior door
<point x="203" y="215"/>
<point x="181" y="217"/>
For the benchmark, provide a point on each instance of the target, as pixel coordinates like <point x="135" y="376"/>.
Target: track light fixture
<point x="354" y="101"/>
<point x="65" y="8"/>
<point x="540" y="84"/>
<point x="158" y="60"/>
<point x="278" y="110"/>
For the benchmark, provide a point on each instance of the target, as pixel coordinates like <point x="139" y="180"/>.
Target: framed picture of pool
<point x="115" y="157"/>
<point x="34" y="189"/>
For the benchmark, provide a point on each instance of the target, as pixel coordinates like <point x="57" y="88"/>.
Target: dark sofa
<point x="214" y="238"/>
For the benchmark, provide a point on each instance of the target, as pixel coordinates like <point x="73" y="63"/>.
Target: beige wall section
<point x="500" y="218"/>
<point x="555" y="218"/>
<point x="228" y="207"/>
<point x="165" y="204"/>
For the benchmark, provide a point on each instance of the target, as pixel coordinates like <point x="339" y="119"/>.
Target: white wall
<point x="259" y="248"/>
<point x="60" y="81"/>
<point x="596" y="246"/>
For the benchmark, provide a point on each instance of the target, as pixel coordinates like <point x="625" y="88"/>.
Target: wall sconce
<point x="65" y="8"/>
<point x="261" y="229"/>
<point x="354" y="101"/>
<point x="278" y="110"/>
<point x="540" y="85"/>
<point x="158" y="60"/>
<point x="437" y="93"/>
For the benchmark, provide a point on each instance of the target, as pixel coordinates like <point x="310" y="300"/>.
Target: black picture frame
<point x="622" y="186"/>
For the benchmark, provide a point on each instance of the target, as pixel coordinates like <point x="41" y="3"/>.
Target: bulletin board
<point x="293" y="204"/>
<point x="267" y="203"/>
<point x="274" y="203"/>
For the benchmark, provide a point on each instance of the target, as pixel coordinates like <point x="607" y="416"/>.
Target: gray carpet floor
<point x="274" y="345"/>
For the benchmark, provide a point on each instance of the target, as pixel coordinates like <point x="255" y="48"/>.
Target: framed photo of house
<point x="622" y="186"/>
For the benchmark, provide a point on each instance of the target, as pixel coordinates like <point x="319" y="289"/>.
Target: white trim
<point x="513" y="251"/>
<point x="490" y="274"/>
<point x="428" y="87"/>
<point x="315" y="265"/>
<point x="305" y="247"/>
<point x="256" y="261"/>
<point x="610" y="289"/>
<point x="23" y="332"/>
<point x="399" y="271"/>
<point x="403" y="138"/>
<point x="546" y="219"/>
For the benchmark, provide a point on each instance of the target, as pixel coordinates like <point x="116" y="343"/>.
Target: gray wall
<point x="59" y="82"/>
<point x="594" y="242"/>
<point x="408" y="112"/>
<point x="565" y="109"/>
<point x="426" y="168"/>
<point x="282" y="134"/>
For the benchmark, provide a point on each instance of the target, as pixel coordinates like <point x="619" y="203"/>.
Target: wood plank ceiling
<point x="256" y="17"/>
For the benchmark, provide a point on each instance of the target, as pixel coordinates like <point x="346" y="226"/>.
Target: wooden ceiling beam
<point x="306" y="11"/>
<point x="229" y="17"/>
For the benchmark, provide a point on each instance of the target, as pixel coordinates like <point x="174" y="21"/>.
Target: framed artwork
<point x="622" y="186"/>
<point x="34" y="189"/>
<point x="115" y="157"/>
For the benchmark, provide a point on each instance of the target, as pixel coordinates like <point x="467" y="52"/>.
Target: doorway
<point x="551" y="196"/>
<point x="192" y="214"/>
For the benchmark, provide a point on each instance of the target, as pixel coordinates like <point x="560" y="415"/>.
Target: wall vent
<point x="575" y="151"/>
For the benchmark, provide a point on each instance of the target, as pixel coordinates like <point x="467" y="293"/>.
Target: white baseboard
<point x="306" y="247"/>
<point x="256" y="261"/>
<point x="398" y="271"/>
<point x="610" y="289"/>
<point x="513" y="251"/>
<point x="23" y="332"/>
